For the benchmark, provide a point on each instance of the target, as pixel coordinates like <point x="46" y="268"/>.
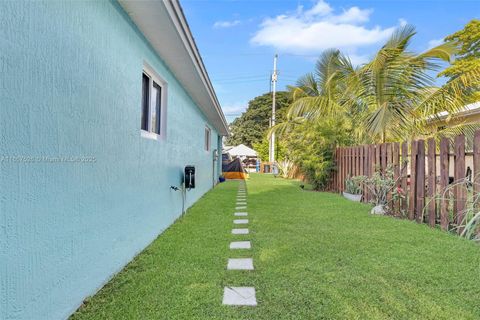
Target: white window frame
<point x="207" y="143"/>
<point x="155" y="77"/>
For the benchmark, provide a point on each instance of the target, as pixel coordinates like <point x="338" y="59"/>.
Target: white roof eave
<point x="181" y="54"/>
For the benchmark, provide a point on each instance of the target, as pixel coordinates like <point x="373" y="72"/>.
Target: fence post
<point x="388" y="162"/>
<point x="349" y="161"/>
<point x="339" y="167"/>
<point x="420" y="180"/>
<point x="404" y="173"/>
<point x="413" y="185"/>
<point x="340" y="170"/>
<point x="383" y="148"/>
<point x="361" y="161"/>
<point x="366" y="156"/>
<point x="372" y="164"/>
<point x="396" y="174"/>
<point x="476" y="168"/>
<point x="360" y="172"/>
<point x="345" y="166"/>
<point x="432" y="186"/>
<point x="459" y="176"/>
<point x="444" y="177"/>
<point x="355" y="161"/>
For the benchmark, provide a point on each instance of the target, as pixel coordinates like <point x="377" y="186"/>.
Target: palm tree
<point x="389" y="98"/>
<point x="395" y="84"/>
<point x="321" y="94"/>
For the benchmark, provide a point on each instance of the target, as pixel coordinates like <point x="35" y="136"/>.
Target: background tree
<point x="252" y="126"/>
<point x="468" y="56"/>
<point x="393" y="97"/>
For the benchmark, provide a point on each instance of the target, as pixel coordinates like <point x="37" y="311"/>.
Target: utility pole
<point x="271" y="149"/>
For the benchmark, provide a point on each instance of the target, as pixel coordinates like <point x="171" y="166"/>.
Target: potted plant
<point x="353" y="188"/>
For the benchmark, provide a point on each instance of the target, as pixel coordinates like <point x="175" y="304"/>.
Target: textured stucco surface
<point x="70" y="86"/>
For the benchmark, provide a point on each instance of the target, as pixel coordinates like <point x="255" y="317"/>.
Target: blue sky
<point x="238" y="39"/>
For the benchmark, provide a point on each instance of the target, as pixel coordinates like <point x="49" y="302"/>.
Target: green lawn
<point x="316" y="256"/>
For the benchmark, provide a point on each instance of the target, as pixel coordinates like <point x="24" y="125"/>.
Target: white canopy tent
<point x="242" y="151"/>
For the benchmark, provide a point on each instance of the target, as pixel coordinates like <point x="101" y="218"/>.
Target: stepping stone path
<point x="240" y="214"/>
<point x="240" y="296"/>
<point x="240" y="264"/>
<point x="240" y="245"/>
<point x="240" y="231"/>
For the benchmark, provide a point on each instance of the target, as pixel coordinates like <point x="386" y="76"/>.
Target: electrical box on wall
<point x="189" y="177"/>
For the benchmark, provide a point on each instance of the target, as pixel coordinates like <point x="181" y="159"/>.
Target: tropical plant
<point x="468" y="55"/>
<point x="389" y="98"/>
<point x="353" y="185"/>
<point x="287" y="169"/>
<point x="395" y="90"/>
<point x="310" y="146"/>
<point x="469" y="224"/>
<point x="380" y="185"/>
<point x="262" y="149"/>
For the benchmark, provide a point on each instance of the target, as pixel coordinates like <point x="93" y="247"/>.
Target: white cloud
<point x="319" y="28"/>
<point x="402" y="22"/>
<point x="234" y="109"/>
<point x="435" y="42"/>
<point x="226" y="24"/>
<point x="353" y="15"/>
<point x="321" y="8"/>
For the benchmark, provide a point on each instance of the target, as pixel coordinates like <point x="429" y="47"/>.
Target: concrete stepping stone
<point x="240" y="214"/>
<point x="240" y="264"/>
<point x="241" y="203"/>
<point x="240" y="245"/>
<point x="240" y="208"/>
<point x="240" y="231"/>
<point x="240" y="221"/>
<point x="239" y="296"/>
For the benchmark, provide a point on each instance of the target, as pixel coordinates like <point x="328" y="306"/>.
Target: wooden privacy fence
<point x="423" y="170"/>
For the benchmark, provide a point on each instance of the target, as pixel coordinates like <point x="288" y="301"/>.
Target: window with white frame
<point x="153" y="104"/>
<point x="207" y="138"/>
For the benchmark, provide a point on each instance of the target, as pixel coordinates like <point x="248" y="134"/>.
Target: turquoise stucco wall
<point x="70" y="86"/>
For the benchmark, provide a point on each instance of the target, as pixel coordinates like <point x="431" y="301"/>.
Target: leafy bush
<point x="380" y="184"/>
<point x="311" y="147"/>
<point x="353" y="185"/>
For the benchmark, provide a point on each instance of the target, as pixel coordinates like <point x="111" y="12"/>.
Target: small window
<point x="156" y="107"/>
<point x="145" y="101"/>
<point x="153" y="104"/>
<point x="207" y="138"/>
